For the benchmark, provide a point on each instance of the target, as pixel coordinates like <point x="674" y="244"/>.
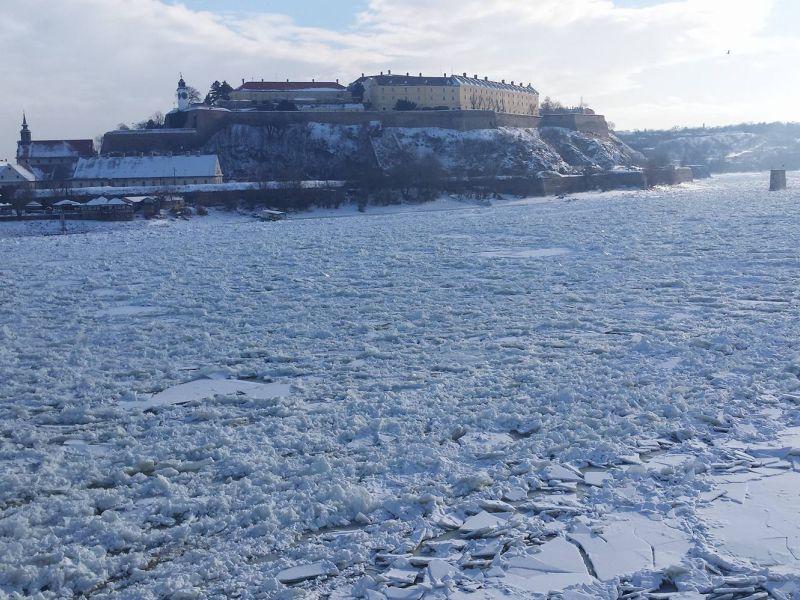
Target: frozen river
<point x="592" y="396"/>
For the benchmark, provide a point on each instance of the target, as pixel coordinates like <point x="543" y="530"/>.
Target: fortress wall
<point x="594" y="124"/>
<point x="209" y="122"/>
<point x="160" y="141"/>
<point x="522" y="121"/>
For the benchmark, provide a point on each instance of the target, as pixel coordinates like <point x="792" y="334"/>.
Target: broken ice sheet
<point x="202" y="389"/>
<point x="556" y="566"/>
<point x="762" y="525"/>
<point x="631" y="542"/>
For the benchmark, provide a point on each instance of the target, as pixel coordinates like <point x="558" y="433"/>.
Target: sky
<point x="80" y="67"/>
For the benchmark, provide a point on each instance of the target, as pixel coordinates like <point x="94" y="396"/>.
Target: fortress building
<point x="50" y="160"/>
<point x="454" y="92"/>
<point x="308" y="94"/>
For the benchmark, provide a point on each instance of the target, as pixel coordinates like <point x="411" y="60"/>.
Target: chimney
<point x="407" y="73"/>
<point x="362" y="75"/>
<point x="390" y="71"/>
<point x="420" y="74"/>
<point x="381" y="72"/>
<point x="242" y="80"/>
<point x="465" y="75"/>
<point x="287" y="80"/>
<point x="475" y="76"/>
<point x="337" y="80"/>
<point x="512" y="82"/>
<point x="503" y="80"/>
<point x="262" y="80"/>
<point x="485" y="78"/>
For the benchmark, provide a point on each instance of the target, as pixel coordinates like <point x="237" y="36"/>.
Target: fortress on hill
<point x="456" y="102"/>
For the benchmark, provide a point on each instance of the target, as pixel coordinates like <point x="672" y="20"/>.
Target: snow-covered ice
<point x="373" y="407"/>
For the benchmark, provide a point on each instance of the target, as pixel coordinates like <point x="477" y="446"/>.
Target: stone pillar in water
<point x="777" y="180"/>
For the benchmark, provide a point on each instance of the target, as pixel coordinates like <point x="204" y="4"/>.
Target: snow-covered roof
<point x="148" y="167"/>
<point x="33" y="204"/>
<point x="137" y="199"/>
<point x="66" y="203"/>
<point x="294" y="86"/>
<point x="101" y="201"/>
<point x="116" y="202"/>
<point x="12" y="172"/>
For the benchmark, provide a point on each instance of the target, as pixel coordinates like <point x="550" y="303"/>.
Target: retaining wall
<point x="595" y="124"/>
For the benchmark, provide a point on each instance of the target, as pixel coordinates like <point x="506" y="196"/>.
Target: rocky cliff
<point x="327" y="151"/>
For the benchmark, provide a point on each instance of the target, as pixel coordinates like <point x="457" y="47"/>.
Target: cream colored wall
<point x="517" y="102"/>
<point x="81" y="183"/>
<point x="464" y="97"/>
<point x="385" y="97"/>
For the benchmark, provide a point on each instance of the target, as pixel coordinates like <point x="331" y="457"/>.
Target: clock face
<point x="183" y="95"/>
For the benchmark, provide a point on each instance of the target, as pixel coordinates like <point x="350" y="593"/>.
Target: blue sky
<point x="337" y="14"/>
<point x="643" y="63"/>
<point x="333" y="14"/>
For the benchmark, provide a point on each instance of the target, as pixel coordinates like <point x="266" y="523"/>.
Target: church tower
<point x="24" y="144"/>
<point x="182" y="95"/>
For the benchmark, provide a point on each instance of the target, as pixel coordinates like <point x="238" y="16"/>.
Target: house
<point x="34" y="207"/>
<point x="147" y="171"/>
<point x="297" y="92"/>
<point x="110" y="209"/>
<point x="16" y="176"/>
<point x="453" y="92"/>
<point x="66" y="206"/>
<point x="51" y="160"/>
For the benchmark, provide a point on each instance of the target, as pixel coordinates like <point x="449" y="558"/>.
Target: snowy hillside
<point x="595" y="397"/>
<point x="735" y="148"/>
<point x="321" y="151"/>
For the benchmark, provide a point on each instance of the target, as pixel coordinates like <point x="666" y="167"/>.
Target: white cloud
<point x="81" y="66"/>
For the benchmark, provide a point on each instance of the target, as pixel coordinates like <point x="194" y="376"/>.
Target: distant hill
<point x="745" y="147"/>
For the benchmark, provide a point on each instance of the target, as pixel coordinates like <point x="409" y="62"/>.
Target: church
<point x="50" y="160"/>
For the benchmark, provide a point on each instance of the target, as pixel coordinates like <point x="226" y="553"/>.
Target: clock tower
<point x="182" y="94"/>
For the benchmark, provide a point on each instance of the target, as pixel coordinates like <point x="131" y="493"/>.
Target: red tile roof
<point x="289" y="85"/>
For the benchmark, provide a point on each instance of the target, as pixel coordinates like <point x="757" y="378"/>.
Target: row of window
<point x="144" y="182"/>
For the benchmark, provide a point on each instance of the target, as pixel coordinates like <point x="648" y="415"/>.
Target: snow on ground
<point x="592" y="396"/>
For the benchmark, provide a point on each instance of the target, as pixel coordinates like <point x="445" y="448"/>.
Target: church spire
<point x="25" y="133"/>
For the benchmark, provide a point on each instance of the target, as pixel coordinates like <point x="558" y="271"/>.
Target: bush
<point x="405" y="105"/>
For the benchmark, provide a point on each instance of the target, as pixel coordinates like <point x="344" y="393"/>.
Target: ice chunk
<point x="596" y="478"/>
<point x="440" y="571"/>
<point x="401" y="575"/>
<point x="544" y="583"/>
<point x="408" y="593"/>
<point x="529" y="253"/>
<point x="555" y="556"/>
<point x="303" y="572"/>
<point x="483" y="523"/>
<point x="202" y="389"/>
<point x="561" y="473"/>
